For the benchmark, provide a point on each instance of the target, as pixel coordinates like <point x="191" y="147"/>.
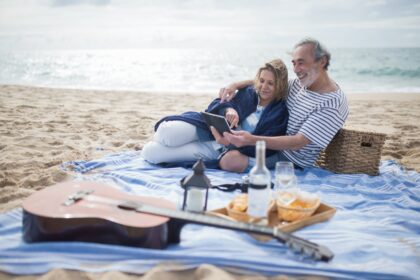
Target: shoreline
<point x="44" y="127"/>
<point x="355" y="94"/>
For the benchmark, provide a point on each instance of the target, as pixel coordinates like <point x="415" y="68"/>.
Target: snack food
<point x="240" y="203"/>
<point x="302" y="205"/>
<point x="236" y="209"/>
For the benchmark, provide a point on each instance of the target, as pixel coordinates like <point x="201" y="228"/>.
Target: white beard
<point x="310" y="78"/>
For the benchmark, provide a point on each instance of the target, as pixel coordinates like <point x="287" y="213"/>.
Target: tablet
<point x="219" y="122"/>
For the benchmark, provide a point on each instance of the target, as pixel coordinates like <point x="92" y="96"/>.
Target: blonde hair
<point x="279" y="69"/>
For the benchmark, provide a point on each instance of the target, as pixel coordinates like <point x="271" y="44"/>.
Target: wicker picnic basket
<point x="353" y="151"/>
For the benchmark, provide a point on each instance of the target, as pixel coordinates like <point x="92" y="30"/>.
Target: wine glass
<point x="285" y="178"/>
<point x="285" y="181"/>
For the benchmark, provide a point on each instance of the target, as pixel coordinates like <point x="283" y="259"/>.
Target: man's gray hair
<point x="319" y="50"/>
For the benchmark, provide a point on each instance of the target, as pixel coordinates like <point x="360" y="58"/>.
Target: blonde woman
<point x="259" y="109"/>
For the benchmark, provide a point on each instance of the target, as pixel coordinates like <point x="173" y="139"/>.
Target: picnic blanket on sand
<point x="374" y="234"/>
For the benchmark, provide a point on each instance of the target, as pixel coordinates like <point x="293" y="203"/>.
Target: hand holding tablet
<point x="218" y="122"/>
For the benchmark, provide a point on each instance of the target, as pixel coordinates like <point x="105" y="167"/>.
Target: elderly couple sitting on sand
<point x="297" y="118"/>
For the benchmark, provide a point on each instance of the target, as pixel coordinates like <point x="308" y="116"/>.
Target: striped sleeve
<point x="322" y="125"/>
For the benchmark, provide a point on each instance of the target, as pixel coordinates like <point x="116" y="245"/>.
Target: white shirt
<point x="250" y="123"/>
<point x="317" y="116"/>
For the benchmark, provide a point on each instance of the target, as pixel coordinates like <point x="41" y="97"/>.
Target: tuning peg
<point x="294" y="246"/>
<point x="316" y="255"/>
<point x="308" y="252"/>
<point x="325" y="253"/>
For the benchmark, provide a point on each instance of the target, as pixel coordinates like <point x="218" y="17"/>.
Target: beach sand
<point x="41" y="128"/>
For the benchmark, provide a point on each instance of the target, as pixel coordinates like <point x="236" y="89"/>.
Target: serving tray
<point x="323" y="213"/>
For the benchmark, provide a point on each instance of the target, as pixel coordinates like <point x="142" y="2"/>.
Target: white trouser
<point x="178" y="141"/>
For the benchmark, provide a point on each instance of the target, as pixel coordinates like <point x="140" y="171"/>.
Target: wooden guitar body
<point x="95" y="218"/>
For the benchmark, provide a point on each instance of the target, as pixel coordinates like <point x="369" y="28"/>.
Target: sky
<point x="131" y="24"/>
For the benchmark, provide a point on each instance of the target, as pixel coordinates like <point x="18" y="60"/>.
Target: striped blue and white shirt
<point x="317" y="116"/>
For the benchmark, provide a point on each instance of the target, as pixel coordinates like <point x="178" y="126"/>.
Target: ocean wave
<point x="198" y="70"/>
<point x="391" y="71"/>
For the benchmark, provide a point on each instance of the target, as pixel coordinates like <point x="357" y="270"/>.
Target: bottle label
<point x="257" y="186"/>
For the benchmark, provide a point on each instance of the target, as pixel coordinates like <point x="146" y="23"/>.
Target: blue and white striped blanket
<point x="374" y="234"/>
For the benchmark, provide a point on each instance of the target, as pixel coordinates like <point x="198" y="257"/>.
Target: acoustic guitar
<point x="96" y="212"/>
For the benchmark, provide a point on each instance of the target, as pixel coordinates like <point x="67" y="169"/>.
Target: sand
<point x="42" y="127"/>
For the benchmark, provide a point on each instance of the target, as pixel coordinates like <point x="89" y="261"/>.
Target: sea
<point x="180" y="70"/>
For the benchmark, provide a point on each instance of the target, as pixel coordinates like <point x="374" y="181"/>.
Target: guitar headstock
<point x="305" y="247"/>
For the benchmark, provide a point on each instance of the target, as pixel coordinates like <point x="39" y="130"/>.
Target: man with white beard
<point x="317" y="110"/>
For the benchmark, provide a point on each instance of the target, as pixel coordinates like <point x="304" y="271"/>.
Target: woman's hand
<point x="219" y="138"/>
<point x="232" y="117"/>
<point x="228" y="93"/>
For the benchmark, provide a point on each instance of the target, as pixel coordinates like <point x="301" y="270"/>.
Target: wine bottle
<point x="259" y="184"/>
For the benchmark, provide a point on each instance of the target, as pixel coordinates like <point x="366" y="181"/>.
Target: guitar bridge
<point x="71" y="199"/>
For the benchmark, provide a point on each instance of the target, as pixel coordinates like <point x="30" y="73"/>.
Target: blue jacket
<point x="273" y="121"/>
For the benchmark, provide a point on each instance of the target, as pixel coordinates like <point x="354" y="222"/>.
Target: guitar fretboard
<point x="206" y="219"/>
<point x="297" y="244"/>
<point x="306" y="247"/>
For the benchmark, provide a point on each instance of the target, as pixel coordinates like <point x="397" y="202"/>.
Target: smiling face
<point x="266" y="87"/>
<point x="305" y="66"/>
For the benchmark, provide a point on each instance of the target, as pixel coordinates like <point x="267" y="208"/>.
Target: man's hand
<point x="227" y="93"/>
<point x="232" y="117"/>
<point x="240" y="138"/>
<point x="219" y="138"/>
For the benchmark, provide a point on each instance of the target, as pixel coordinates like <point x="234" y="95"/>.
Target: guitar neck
<point x="311" y="249"/>
<point x="204" y="219"/>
